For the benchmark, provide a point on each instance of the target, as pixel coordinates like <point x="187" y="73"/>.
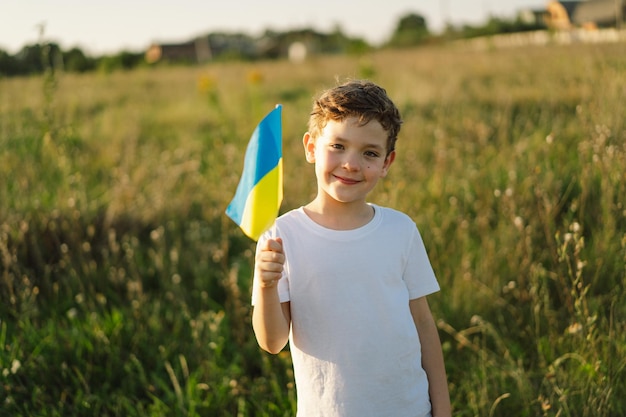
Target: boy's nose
<point x="351" y="163"/>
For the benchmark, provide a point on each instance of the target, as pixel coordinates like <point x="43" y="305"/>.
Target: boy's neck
<point x="339" y="216"/>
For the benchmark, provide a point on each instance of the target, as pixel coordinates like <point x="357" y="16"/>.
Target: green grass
<point x="124" y="289"/>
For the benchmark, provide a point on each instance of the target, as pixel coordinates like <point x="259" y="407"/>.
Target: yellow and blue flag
<point x="260" y="191"/>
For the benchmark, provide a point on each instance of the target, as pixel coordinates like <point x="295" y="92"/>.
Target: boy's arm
<point x="432" y="357"/>
<point x="271" y="319"/>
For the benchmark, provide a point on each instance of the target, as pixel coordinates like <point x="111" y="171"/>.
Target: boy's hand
<point x="269" y="262"/>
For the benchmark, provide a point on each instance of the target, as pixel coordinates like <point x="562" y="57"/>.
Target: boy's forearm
<point x="432" y="359"/>
<point x="271" y="327"/>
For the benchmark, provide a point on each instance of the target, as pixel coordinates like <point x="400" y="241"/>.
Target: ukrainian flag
<point x="260" y="191"/>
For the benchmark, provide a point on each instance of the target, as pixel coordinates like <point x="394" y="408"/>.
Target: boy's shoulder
<point x="291" y="214"/>
<point x="393" y="215"/>
<point x="294" y="218"/>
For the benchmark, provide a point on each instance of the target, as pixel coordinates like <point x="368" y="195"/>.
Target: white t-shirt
<point x="354" y="345"/>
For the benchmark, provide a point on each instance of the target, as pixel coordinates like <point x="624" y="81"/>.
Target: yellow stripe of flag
<point x="260" y="191"/>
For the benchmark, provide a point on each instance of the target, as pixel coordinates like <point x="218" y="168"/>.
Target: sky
<point x="108" y="27"/>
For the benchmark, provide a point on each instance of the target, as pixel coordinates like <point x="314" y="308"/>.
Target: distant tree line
<point x="493" y="26"/>
<point x="37" y="58"/>
<point x="411" y="30"/>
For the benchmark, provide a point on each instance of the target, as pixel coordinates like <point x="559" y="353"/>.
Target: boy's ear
<point x="388" y="161"/>
<point x="309" y="147"/>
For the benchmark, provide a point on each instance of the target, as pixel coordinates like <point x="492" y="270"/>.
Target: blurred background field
<point x="124" y="289"/>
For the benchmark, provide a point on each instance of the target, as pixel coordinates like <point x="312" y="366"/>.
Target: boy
<point x="346" y="281"/>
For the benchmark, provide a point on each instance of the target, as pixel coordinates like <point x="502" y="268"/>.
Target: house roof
<point x="571" y="6"/>
<point x="597" y="11"/>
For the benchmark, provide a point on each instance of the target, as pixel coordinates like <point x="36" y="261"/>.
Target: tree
<point x="76" y="61"/>
<point x="37" y="58"/>
<point x="8" y="64"/>
<point x="124" y="60"/>
<point x="410" y="31"/>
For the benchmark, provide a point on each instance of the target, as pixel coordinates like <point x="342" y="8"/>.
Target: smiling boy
<point x="346" y="281"/>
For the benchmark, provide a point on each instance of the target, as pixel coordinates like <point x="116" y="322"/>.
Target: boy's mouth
<point x="348" y="181"/>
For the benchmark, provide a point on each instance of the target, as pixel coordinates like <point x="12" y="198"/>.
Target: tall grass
<point x="125" y="291"/>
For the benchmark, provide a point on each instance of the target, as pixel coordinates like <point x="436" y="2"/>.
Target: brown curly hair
<point x="357" y="98"/>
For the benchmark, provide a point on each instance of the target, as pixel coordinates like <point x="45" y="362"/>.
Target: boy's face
<point x="349" y="159"/>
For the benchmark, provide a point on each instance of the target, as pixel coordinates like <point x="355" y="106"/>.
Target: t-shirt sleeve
<point x="419" y="275"/>
<point x="283" y="283"/>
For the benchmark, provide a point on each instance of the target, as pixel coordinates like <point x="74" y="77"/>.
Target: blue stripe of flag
<point x="262" y="155"/>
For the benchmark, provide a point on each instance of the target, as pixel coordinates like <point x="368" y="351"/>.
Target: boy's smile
<point x="349" y="160"/>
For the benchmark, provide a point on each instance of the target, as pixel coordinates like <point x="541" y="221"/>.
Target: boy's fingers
<point x="275" y="245"/>
<point x="270" y="260"/>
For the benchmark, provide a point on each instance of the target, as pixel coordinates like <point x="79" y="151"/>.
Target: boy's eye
<point x="336" y="146"/>
<point x="372" y="154"/>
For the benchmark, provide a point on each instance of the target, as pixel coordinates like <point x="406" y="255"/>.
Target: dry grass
<point x="124" y="288"/>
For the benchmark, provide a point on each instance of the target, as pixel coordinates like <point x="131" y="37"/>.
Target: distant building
<point x="203" y="49"/>
<point x="295" y="45"/>
<point x="600" y="13"/>
<point x="197" y="50"/>
<point x="587" y="14"/>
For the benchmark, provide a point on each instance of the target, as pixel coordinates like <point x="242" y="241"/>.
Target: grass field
<point x="124" y="289"/>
